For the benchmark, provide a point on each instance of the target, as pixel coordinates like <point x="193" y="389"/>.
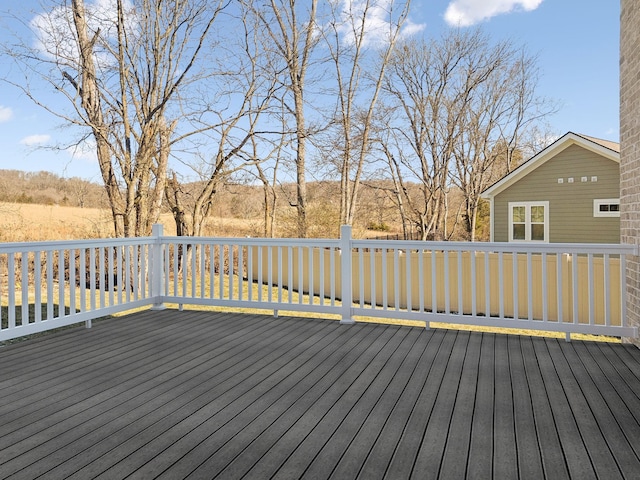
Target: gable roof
<point x="606" y="148"/>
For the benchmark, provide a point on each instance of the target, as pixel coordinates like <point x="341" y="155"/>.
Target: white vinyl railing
<point x="554" y="287"/>
<point x="47" y="285"/>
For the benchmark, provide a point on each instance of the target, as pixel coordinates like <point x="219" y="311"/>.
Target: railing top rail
<point x="256" y="241"/>
<point x="14" y="247"/>
<point x="556" y="248"/>
<point x="595" y="248"/>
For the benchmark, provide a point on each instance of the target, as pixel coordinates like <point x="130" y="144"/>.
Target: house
<point x="567" y="193"/>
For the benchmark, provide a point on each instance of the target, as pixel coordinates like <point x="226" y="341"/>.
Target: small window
<point x="606" y="207"/>
<point x="529" y="222"/>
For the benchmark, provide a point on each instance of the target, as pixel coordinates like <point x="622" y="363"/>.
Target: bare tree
<point x="361" y="37"/>
<point x="122" y="69"/>
<point x="503" y="108"/>
<point x="272" y="156"/>
<point x="229" y="123"/>
<point x="292" y="30"/>
<point x="462" y="106"/>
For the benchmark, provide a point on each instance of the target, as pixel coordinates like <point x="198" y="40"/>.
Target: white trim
<point x="605" y="201"/>
<point x="528" y="206"/>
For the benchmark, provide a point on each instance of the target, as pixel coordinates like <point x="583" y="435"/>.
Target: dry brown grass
<point x="27" y="222"/>
<point x="30" y="223"/>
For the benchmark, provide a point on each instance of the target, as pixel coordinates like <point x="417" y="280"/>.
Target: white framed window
<point x="606" y="207"/>
<point x="529" y="222"/>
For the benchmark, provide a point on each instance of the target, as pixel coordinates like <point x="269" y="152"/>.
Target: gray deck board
<point x="193" y="394"/>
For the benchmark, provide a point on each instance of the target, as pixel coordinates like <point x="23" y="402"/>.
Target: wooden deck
<point x="190" y="394"/>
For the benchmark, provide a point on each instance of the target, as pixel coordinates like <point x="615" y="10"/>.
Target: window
<point x="529" y="222"/>
<point x="606" y="207"/>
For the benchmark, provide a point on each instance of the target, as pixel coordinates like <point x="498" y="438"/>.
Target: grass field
<point x="30" y="223"/>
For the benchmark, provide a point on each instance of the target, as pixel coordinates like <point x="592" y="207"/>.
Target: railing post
<point x="156" y="268"/>
<point x="347" y="271"/>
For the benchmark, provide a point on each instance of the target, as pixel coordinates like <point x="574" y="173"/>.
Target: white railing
<point x="552" y="287"/>
<point x="47" y="285"/>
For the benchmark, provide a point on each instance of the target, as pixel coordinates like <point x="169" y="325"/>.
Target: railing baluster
<point x="135" y="271"/>
<point x="126" y="286"/>
<point x="92" y="277"/>
<point x="119" y="283"/>
<point x="110" y="274"/>
<point x="37" y="281"/>
<point x="529" y="287"/>
<point x="545" y="293"/>
<point x="50" y="282"/>
<point x="623" y="290"/>
<point x="421" y="285"/>
<point x="501" y="283"/>
<point x="321" y="274"/>
<point x="61" y="281"/>
<point x="260" y="277"/>
<point x="361" y="277"/>
<point x="221" y="273"/>
<point x="385" y="276"/>
<point x="408" y="279"/>
<point x="396" y="278"/>
<point x="515" y="289"/>
<point x="11" y="293"/>
<point x="560" y="286"/>
<point x="574" y="287"/>
<point x="460" y="283"/>
<point x="333" y="275"/>
<point x="280" y="279"/>
<point x="607" y="290"/>
<point x="300" y="275"/>
<point x="311" y="275"/>
<point x="373" y="278"/>
<point x="24" y="288"/>
<point x="250" y="281"/>
<point x="270" y="275"/>
<point x="290" y="284"/>
<point x="241" y="272"/>
<point x="202" y="271"/>
<point x="82" y="280"/>
<point x="591" y="291"/>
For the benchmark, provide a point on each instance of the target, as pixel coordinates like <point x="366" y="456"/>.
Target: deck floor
<point x="192" y="394"/>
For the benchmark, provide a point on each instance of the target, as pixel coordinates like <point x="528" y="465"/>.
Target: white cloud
<point x="464" y="13"/>
<point x="5" y="114"/>
<point x="379" y="20"/>
<point x="409" y="28"/>
<point x="32" y="140"/>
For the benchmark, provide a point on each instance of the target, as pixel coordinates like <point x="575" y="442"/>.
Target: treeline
<point x="46" y="188"/>
<point x="243" y="205"/>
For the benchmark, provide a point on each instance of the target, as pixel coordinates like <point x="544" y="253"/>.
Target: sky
<point x="576" y="43"/>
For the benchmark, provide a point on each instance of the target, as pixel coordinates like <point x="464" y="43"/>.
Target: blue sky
<point x="576" y="42"/>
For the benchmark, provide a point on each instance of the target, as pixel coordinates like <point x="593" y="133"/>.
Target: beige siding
<point x="570" y="204"/>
